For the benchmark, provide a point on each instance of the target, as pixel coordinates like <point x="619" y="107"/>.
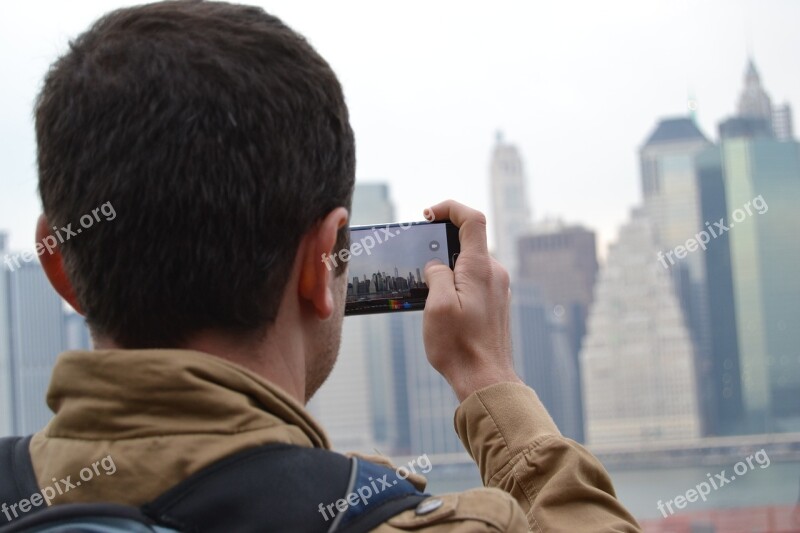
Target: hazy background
<point x="576" y="85"/>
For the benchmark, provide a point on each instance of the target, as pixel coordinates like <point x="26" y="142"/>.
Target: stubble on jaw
<point x="329" y="341"/>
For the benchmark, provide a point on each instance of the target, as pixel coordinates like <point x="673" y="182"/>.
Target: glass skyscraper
<point x="544" y="357"/>
<point x="430" y="400"/>
<point x="561" y="262"/>
<point x="765" y="262"/>
<point x="724" y="377"/>
<point x="761" y="171"/>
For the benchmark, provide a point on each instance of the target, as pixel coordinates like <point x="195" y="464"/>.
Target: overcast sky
<point x="576" y="85"/>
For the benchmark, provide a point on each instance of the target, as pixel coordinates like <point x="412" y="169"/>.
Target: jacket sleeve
<point x="518" y="448"/>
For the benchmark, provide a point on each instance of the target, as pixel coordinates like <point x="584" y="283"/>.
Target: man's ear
<point x="53" y="265"/>
<point x="316" y="272"/>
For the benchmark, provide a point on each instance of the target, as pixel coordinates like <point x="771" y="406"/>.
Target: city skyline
<point x="379" y="285"/>
<point x="678" y="167"/>
<point x="594" y="143"/>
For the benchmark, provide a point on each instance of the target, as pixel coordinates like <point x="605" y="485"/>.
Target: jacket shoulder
<point x="476" y="510"/>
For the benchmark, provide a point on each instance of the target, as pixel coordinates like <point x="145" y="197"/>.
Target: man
<point x="222" y="140"/>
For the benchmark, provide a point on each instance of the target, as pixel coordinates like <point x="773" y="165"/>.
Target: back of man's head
<point x="219" y="136"/>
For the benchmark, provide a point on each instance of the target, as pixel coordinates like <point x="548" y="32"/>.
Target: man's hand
<point x="466" y="317"/>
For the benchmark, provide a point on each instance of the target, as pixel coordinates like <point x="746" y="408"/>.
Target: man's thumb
<point x="439" y="277"/>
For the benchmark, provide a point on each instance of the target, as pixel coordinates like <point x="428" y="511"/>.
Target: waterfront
<point x="641" y="488"/>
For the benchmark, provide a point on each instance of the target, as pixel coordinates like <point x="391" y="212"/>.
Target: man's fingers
<point x="471" y="224"/>
<point x="465" y="322"/>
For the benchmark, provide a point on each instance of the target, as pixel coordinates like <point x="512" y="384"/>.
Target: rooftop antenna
<point x="691" y="103"/>
<point x="748" y="30"/>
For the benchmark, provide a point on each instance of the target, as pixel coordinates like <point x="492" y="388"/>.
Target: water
<point x="641" y="489"/>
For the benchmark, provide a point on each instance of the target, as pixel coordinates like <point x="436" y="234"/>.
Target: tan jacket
<point x="164" y="414"/>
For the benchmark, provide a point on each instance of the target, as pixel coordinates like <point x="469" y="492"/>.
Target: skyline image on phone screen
<point x="387" y="262"/>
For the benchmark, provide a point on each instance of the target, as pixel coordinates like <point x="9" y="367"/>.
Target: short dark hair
<point x="220" y="137"/>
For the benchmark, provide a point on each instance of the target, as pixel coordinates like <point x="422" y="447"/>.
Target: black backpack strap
<point x="276" y="487"/>
<point x="17" y="478"/>
<point x="281" y="487"/>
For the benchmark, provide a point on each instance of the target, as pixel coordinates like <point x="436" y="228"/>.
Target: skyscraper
<point x="754" y="102"/>
<point x="544" y="358"/>
<point x="724" y="376"/>
<point x="31" y="337"/>
<point x="430" y="402"/>
<point x="638" y="356"/>
<point x="672" y="200"/>
<point x="561" y="261"/>
<point x="511" y="215"/>
<point x="762" y="175"/>
<point x="358" y="402"/>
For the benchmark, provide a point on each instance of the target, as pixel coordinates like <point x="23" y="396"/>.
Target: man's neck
<point x="263" y="355"/>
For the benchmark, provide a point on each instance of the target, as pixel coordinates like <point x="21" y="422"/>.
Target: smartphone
<point x="386" y="263"/>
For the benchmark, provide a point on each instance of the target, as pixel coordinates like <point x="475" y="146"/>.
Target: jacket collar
<point x="118" y="394"/>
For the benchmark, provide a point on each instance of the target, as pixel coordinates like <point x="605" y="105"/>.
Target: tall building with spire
<point x="511" y="215"/>
<point x="754" y="102"/>
<point x="755" y="113"/>
<point x="762" y="175"/>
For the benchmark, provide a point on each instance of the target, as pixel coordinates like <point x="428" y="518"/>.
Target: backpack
<point x="276" y="487"/>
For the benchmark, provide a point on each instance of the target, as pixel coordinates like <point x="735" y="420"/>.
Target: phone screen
<point x="386" y="264"/>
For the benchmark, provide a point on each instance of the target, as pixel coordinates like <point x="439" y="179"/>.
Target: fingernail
<point x="433" y="262"/>
<point x="428" y="214"/>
